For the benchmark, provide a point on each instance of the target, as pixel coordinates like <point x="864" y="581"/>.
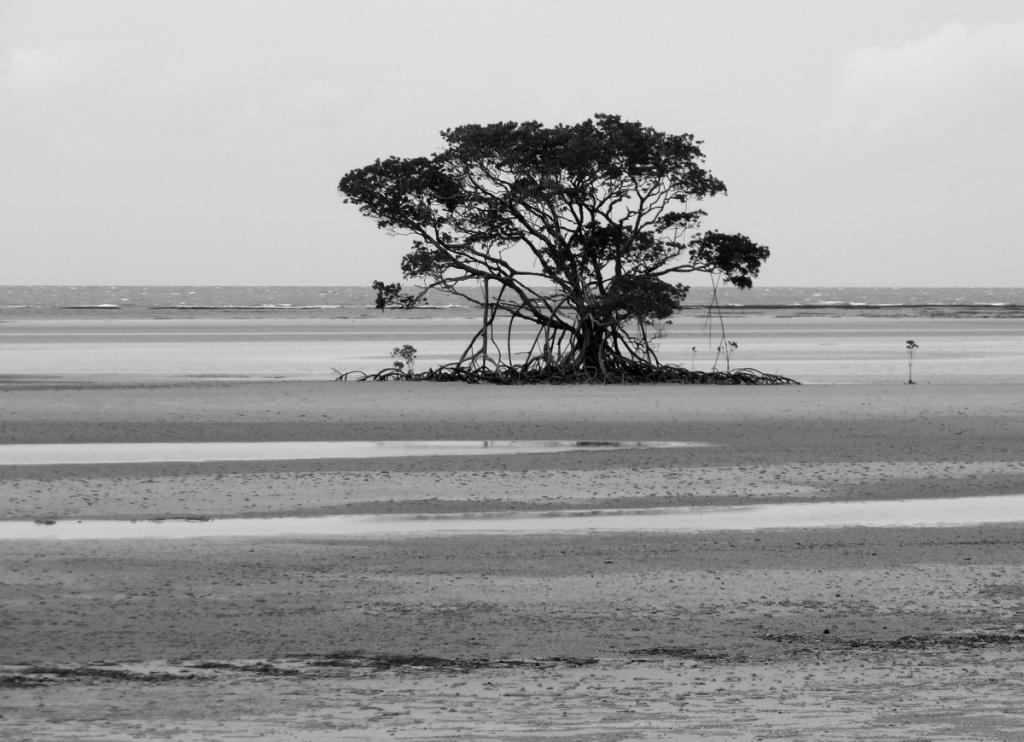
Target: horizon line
<point x="359" y="285"/>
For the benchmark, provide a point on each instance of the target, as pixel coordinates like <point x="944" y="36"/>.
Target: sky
<point x="869" y="143"/>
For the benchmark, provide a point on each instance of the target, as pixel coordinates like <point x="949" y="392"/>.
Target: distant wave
<point x="272" y="307"/>
<point x="249" y="307"/>
<point x="91" y="306"/>
<point x="184" y="302"/>
<point x="439" y="307"/>
<point x="867" y="305"/>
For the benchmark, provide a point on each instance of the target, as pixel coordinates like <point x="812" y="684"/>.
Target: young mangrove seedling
<point x="726" y="349"/>
<point x="911" y="347"/>
<point x="404" y="359"/>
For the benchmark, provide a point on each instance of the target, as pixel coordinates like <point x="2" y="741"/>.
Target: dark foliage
<point x="390" y="295"/>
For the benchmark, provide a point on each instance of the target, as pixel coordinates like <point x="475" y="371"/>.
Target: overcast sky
<point x="876" y="142"/>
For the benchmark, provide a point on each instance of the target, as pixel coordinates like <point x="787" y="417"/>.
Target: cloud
<point x="959" y="88"/>
<point x="29" y="70"/>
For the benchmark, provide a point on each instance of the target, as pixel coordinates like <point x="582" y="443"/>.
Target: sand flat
<point x="817" y="346"/>
<point x="880" y="633"/>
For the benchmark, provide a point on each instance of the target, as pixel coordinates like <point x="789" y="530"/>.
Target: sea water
<point x="357" y="302"/>
<point x="815" y="335"/>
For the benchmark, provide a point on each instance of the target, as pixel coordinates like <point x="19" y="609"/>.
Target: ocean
<point x="192" y="334"/>
<point x="354" y="302"/>
<point x="168" y="302"/>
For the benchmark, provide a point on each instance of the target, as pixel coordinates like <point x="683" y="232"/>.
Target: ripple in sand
<point x="955" y="511"/>
<point x="36" y="454"/>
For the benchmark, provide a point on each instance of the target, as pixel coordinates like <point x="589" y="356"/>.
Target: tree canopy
<point x="583" y="230"/>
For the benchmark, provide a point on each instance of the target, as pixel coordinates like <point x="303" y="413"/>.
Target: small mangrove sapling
<point x="726" y="349"/>
<point x="911" y="347"/>
<point x="404" y="359"/>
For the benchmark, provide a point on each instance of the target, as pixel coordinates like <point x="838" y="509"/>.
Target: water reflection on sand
<point x="30" y="454"/>
<point x="958" y="511"/>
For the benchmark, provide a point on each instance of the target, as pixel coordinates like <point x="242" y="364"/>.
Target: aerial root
<point x="634" y="373"/>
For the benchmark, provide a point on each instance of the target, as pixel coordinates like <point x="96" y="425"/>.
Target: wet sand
<point x="853" y="633"/>
<point x="813" y="345"/>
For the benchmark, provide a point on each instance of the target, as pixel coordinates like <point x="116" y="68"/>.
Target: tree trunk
<point x="591" y="346"/>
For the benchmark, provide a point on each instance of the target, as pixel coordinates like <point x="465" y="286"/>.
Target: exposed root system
<point x="534" y="374"/>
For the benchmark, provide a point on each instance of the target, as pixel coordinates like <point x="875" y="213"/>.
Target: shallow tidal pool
<point x="955" y="511"/>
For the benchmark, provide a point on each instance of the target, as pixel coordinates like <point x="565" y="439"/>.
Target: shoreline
<point x="815" y="349"/>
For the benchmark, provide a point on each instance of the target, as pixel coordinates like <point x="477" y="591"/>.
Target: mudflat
<point x="853" y="633"/>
